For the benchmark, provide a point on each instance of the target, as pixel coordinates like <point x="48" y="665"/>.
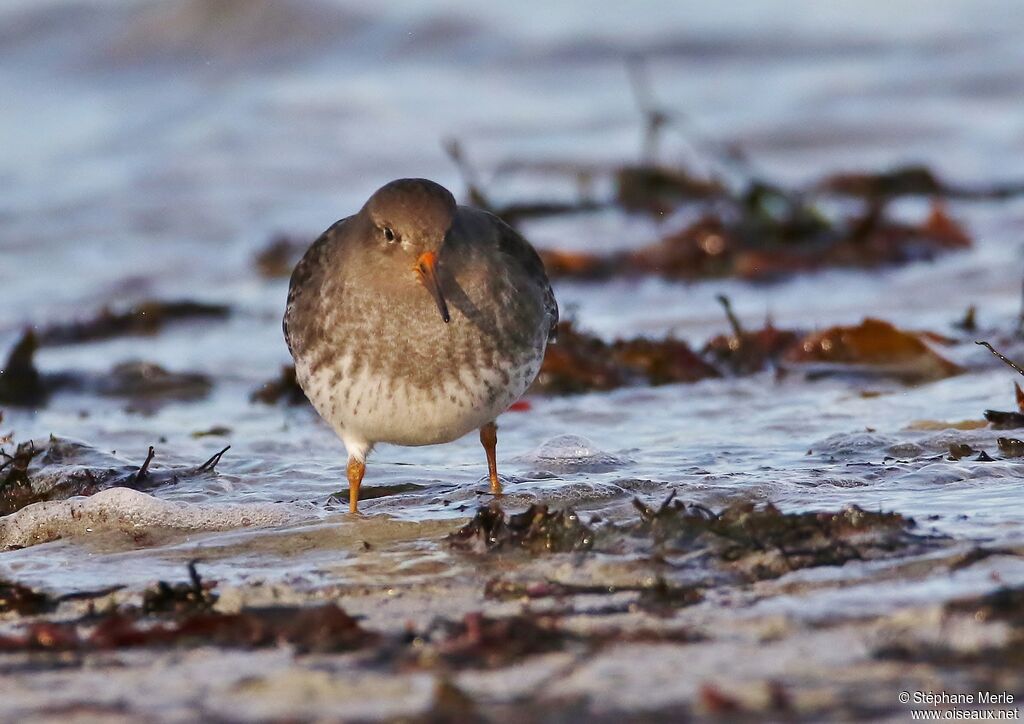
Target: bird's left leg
<point x="356" y="470"/>
<point x="489" y="439"/>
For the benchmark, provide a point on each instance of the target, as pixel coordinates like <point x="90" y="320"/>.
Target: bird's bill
<point x="426" y="269"/>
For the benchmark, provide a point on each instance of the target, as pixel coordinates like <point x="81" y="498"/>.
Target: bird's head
<point x="410" y="219"/>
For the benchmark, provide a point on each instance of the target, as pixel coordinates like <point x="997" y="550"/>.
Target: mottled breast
<point x="375" y="357"/>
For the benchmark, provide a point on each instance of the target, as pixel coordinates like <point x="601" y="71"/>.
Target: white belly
<point x="365" y="409"/>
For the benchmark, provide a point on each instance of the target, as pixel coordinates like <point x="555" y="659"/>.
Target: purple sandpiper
<point x="417" y="320"/>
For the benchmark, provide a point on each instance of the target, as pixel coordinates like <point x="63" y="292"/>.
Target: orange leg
<point x="356" y="469"/>
<point x="489" y="439"/>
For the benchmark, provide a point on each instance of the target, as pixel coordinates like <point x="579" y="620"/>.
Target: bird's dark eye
<point x="389" y="234"/>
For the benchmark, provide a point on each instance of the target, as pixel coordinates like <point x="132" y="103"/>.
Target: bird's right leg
<point x="489" y="439"/>
<point x="356" y="470"/>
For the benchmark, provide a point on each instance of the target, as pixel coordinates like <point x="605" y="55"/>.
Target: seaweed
<point x="1003" y="604"/>
<point x="1004" y="420"/>
<point x="911" y="180"/>
<point x="536" y="530"/>
<point x="1010" y="447"/>
<point x="280" y="255"/>
<point x="763" y="542"/>
<point x="25" y="601"/>
<point x="746" y="352"/>
<point x="663" y="597"/>
<point x="20" y="381"/>
<point x="872" y="347"/>
<point x="582" y="362"/>
<point x="767" y="233"/>
<point x="215" y="431"/>
<point x="480" y="641"/>
<point x="283" y="388"/>
<point x="178" y="598"/>
<point x="321" y="629"/>
<point x="148" y="381"/>
<point x="660" y="189"/>
<point x="15" y="488"/>
<point x="958" y="451"/>
<point x="900" y="181"/>
<point x="145" y="318"/>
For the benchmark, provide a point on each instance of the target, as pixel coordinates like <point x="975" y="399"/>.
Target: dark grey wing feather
<point x="301" y="317"/>
<point x="512" y="243"/>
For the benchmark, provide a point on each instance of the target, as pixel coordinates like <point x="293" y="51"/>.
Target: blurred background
<point x="153" y="146"/>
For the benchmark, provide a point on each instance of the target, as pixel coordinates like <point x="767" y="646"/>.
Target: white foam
<point x="129" y="511"/>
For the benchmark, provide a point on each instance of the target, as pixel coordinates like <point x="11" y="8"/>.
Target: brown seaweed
<point x="762" y="542"/>
<point x="146" y="381"/>
<point x="280" y="255"/>
<point x="537" y="530"/>
<point x="581" y="362"/>
<point x="177" y="598"/>
<point x="321" y="629"/>
<point x="746" y="352"/>
<point x="284" y="388"/>
<point x="480" y="641"/>
<point x="911" y="180"/>
<point x="144" y="318"/>
<point x="1010" y="447"/>
<point x="768" y="233"/>
<point x="25" y="601"/>
<point x="147" y="384"/>
<point x="874" y="346"/>
<point x="660" y="189"/>
<point x="20" y="381"/>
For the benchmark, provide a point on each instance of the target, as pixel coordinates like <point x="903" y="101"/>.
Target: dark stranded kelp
<point x="317" y="629"/>
<point x="582" y="362"/>
<point x="145" y="318"/>
<point x="754" y="541"/>
<point x="22" y="600"/>
<point x="874" y="347"/>
<point x="912" y="180"/>
<point x="536" y="530"/>
<point x="483" y="642"/>
<point x="280" y="255"/>
<point x="284" y="388"/>
<point x="747" y="352"/>
<point x="183" y="597"/>
<point x="767" y="235"/>
<point x="144" y="384"/>
<point x="760" y="542"/>
<point x="21" y="383"/>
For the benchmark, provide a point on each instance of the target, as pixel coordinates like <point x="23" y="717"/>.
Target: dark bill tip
<point x="427" y="269"/>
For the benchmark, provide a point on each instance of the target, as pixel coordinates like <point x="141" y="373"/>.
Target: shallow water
<point x="147" y="159"/>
